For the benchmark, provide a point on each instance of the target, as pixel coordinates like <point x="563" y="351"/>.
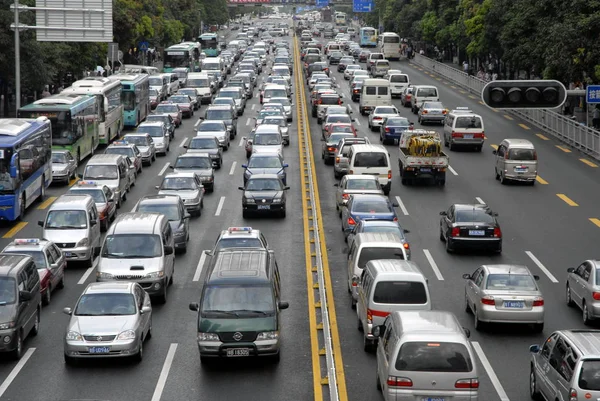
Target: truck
<point x="326" y="15"/>
<point x="421" y="157"/>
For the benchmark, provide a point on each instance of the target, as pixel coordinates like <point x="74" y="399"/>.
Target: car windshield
<point x="385" y="110"/>
<point x="335" y="138"/>
<point x="398" y="122"/>
<point x="136" y="140"/>
<point x="8" y="290"/>
<point x="66" y="219"/>
<point x="427" y="92"/>
<point x="223" y="100"/>
<point x="284" y="101"/>
<point x="370" y="159"/>
<point x="434" y="357"/>
<point x="170" y="210"/>
<point x="179" y="99"/>
<point x="267" y="139"/>
<point x="154" y="131"/>
<point x="158" y="117"/>
<point x="179" y="183"/>
<point x="155" y="81"/>
<point x="108" y="304"/>
<point x="218" y="115"/>
<point x="342" y="129"/>
<point x="362" y="184"/>
<point x="329" y="100"/>
<point x="190" y="92"/>
<point x="433" y="105"/>
<point x="239" y="243"/>
<point x="264" y="162"/>
<point x="275" y="93"/>
<point x="167" y="108"/>
<point x="510" y="282"/>
<point x="60" y="158"/>
<point x="132" y="246"/>
<point x="120" y="151"/>
<point x="399" y="78"/>
<point x="211" y="126"/>
<point x="473" y="216"/>
<point x="198" y="82"/>
<point x="400" y="292"/>
<point x="374" y="253"/>
<point x="339" y="119"/>
<point x="353" y="67"/>
<point x="196" y="162"/>
<point x="38" y="257"/>
<point x="96" y="193"/>
<point x="235" y="300"/>
<point x="230" y="94"/>
<point x="203" y="143"/>
<point x="263" y="184"/>
<point x="101" y="172"/>
<point x="153" y="92"/>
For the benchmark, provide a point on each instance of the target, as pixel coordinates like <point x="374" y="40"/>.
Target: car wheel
<point x="69" y="361"/>
<point x="585" y="313"/>
<point x="149" y="333"/>
<point x="442" y="235"/>
<point x="496" y="173"/>
<point x="36" y="327"/>
<point x="61" y="283"/>
<point x="503" y="179"/>
<point x="467" y="307"/>
<point x="476" y="322"/>
<point x="140" y="354"/>
<point x="47" y="296"/>
<point x="534" y="393"/>
<point x="378" y="384"/>
<point x="568" y="296"/>
<point x="245" y="214"/>
<point x="449" y="245"/>
<point x="359" y="325"/>
<point x="368" y="344"/>
<point x="352" y="301"/>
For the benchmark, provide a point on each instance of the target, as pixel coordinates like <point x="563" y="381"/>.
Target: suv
<point x="324" y="101"/>
<point x="239" y="237"/>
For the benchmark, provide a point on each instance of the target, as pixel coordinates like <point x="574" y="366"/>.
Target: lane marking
<point x="595" y="221"/>
<point x="182" y="144"/>
<point x="220" y="206"/>
<point x="453" y="87"/>
<point x="480" y="102"/>
<point x="564" y="149"/>
<point x="485" y="137"/>
<point x="47" y="203"/>
<point x="253" y="106"/>
<point x="357" y="122"/>
<point x="508" y="117"/>
<point x="567" y="200"/>
<point x="248" y="121"/>
<point x="541" y="180"/>
<point x="87" y="273"/>
<point x="17" y="227"/>
<point x="524" y="126"/>
<point x="478" y="199"/>
<point x="164" y="373"/>
<point x="494" y="146"/>
<point x="13" y="373"/>
<point x="197" y="123"/>
<point x="495" y="110"/>
<point x="452" y="170"/>
<point x="446" y="82"/>
<point x="401" y="204"/>
<point x="241" y="142"/>
<point x="439" y="79"/>
<point x="74" y="181"/>
<point x="462" y="91"/>
<point x="162" y="171"/>
<point x="543" y="137"/>
<point x="433" y="265"/>
<point x="232" y="170"/>
<point x="490" y="371"/>
<point x="541" y="266"/>
<point x="472" y="97"/>
<point x="199" y="267"/>
<point x="589" y="163"/>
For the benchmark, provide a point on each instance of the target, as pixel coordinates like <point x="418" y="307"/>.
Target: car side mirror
<point x="187" y="215"/>
<point x="378" y="331"/>
<point x="443" y="214"/>
<point x="406" y="231"/>
<point x="168" y="250"/>
<point x="93" y="222"/>
<point x="494" y="152"/>
<point x="395" y="204"/>
<point x="336" y="184"/>
<point x="466" y="276"/>
<point x="534" y="349"/>
<point x="570" y="270"/>
<point x="536" y="277"/>
<point x="68" y="311"/>
<point x="171" y="167"/>
<point x="208" y="252"/>
<point x="467" y="332"/>
<point x="286" y="188"/>
<point x="244" y="166"/>
<point x="286" y="165"/>
<point x="145" y="310"/>
<point x="283" y="305"/>
<point x="194" y="306"/>
<point x="41" y="223"/>
<point x="241" y="188"/>
<point x="157" y="186"/>
<point x="25" y="296"/>
<point x="495" y="214"/>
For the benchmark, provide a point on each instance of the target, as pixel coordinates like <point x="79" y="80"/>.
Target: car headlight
<point x="206" y="179"/>
<point x="214" y="156"/>
<point x="208" y="337"/>
<point x="7" y="325"/>
<point x="155" y="274"/>
<point x="104" y="275"/>
<point x="126" y="335"/>
<point x="277" y="200"/>
<point x="267" y="335"/>
<point x="73" y="336"/>
<point x="249" y="200"/>
<point x="83" y="242"/>
<point x="146" y="153"/>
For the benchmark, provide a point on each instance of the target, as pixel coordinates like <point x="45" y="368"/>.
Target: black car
<point x="470" y="227"/>
<point x="356" y="88"/>
<point x="335" y="57"/>
<point x="207" y="144"/>
<point x="330" y="147"/>
<point x="263" y="194"/>
<point x="343" y="63"/>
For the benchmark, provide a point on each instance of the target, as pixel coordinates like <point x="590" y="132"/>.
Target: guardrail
<point x="583" y="138"/>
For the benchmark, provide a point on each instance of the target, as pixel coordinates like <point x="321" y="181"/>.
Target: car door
<point x="384" y="354"/>
<point x="52" y="267"/>
<point x="144" y="319"/>
<point x="59" y="260"/>
<point x="446" y="221"/>
<point x="362" y="302"/>
<point x="473" y="290"/>
<point x="577" y="284"/>
<point x="500" y="157"/>
<point x="543" y="367"/>
<point x="556" y="373"/>
<point x="340" y="190"/>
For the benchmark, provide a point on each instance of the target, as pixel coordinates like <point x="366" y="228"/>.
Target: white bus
<point x="389" y="45"/>
<point x="108" y="95"/>
<point x="340" y="18"/>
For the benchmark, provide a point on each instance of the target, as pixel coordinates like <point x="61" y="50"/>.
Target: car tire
<point x="496" y="174"/>
<point x="140" y="354"/>
<point x="503" y="179"/>
<point x="47" y="298"/>
<point x="245" y="214"/>
<point x="587" y="320"/>
<point x="378" y="384"/>
<point x="534" y="393"/>
<point x="282" y="214"/>
<point x="449" y="248"/>
<point x="568" y="296"/>
<point x="478" y="324"/>
<point x="17" y="353"/>
<point x="61" y="283"/>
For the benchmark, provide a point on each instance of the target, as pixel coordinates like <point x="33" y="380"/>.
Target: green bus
<point x="185" y="54"/>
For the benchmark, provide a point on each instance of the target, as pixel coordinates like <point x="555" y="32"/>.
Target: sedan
<point x="334" y="119"/>
<point x="335" y="57"/>
<point x="355" y="184"/>
<point x="264" y="194"/>
<point x="265" y="163"/>
<point x="583" y="289"/>
<point x="470" y="226"/>
<point x="432" y="112"/>
<point x="171" y="206"/>
<point x="188" y="186"/>
<point x="344" y="62"/>
<point x="109" y="320"/>
<point x="165" y="118"/>
<point x="380" y="226"/>
<point x="193" y="94"/>
<point x="283" y="125"/>
<point x="199" y="163"/>
<point x="379" y="113"/>
<point x="217" y="129"/>
<point x="170" y="108"/>
<point x="363" y="56"/>
<point x="406" y="96"/>
<point x="330" y="146"/>
<point x="363" y="206"/>
<point x="504" y="294"/>
<point x="64" y="166"/>
<point x="207" y="144"/>
<point x="267" y="138"/>
<point x="349" y="71"/>
<point x="391" y="129"/>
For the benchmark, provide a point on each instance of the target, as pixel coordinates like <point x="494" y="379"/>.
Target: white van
<point x="375" y="92"/>
<point x="372" y="160"/>
<point x="213" y="64"/>
<point x="388" y="285"/>
<point x="421" y="94"/>
<point x="110" y="170"/>
<point x="173" y="81"/>
<point x="203" y="85"/>
<point x="463" y="128"/>
<point x="398" y="82"/>
<point x="160" y="82"/>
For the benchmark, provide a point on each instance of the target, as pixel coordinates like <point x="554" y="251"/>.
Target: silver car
<point x="238" y="96"/>
<point x="267" y="138"/>
<point x="110" y="320"/>
<point x="199" y="163"/>
<point x="432" y="112"/>
<point x="188" y="186"/>
<point x="159" y="133"/>
<point x="340" y="159"/>
<point x="504" y="294"/>
<point x="287" y="106"/>
<point x="217" y="129"/>
<point x="281" y="121"/>
<point x="355" y="184"/>
<point x="145" y="144"/>
<point x="64" y="166"/>
<point x="583" y="289"/>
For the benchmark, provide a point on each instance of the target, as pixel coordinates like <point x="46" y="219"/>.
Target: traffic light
<point x="536" y="94"/>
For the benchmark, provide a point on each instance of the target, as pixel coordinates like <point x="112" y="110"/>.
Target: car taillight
<point x="455" y="232"/>
<point x="355" y="90"/>
<point x="394" y="381"/>
<point x="497" y="232"/>
<point x="337" y="159"/>
<point x="424" y="112"/>
<point x="339" y="102"/>
<point x="540" y="301"/>
<point x="467" y="383"/>
<point x="406" y="245"/>
<point x="331" y="149"/>
<point x="376" y="118"/>
<point x="456" y="135"/>
<point x="572" y="395"/>
<point x="395" y="219"/>
<point x="389" y="174"/>
<point x="351" y="172"/>
<point x="387" y="129"/>
<point x="596" y="296"/>
<point x="346" y="196"/>
<point x="479" y="135"/>
<point x="351" y="221"/>
<point x="487" y="300"/>
<point x="444" y="111"/>
<point x="320" y="101"/>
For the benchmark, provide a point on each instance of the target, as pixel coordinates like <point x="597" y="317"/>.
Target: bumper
<point x="206" y="99"/>
<point x="180" y="241"/>
<point x="476" y="243"/>
<point x="8" y="342"/>
<point x="415" y="394"/>
<point x="433" y="117"/>
<point x="467" y="142"/>
<point x="272" y="208"/>
<point x="81" y="349"/>
<point x="218" y="349"/>
<point x="147" y="159"/>
<point x="340" y="168"/>
<point x="489" y="313"/>
<point x="161" y="148"/>
<point x="222" y="142"/>
<point x="394" y="136"/>
<point x="78" y="254"/>
<point x="60" y="178"/>
<point x="186" y="112"/>
<point x="520" y="177"/>
<point x="193" y="207"/>
<point x="153" y="286"/>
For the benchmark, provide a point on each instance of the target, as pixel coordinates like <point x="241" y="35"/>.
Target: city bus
<point x="340" y="18"/>
<point x="74" y="118"/>
<point x="25" y="164"/>
<point x="135" y="97"/>
<point x="139" y="69"/>
<point x="108" y="94"/>
<point x="210" y="44"/>
<point x="186" y="54"/>
<point x="389" y="45"/>
<point x="368" y="37"/>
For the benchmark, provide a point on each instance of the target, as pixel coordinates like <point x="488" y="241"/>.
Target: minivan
<point x="203" y="84"/>
<point x="139" y="246"/>
<point x="421" y="94"/>
<point x="161" y="83"/>
<point x="516" y="160"/>
<point x="375" y="92"/>
<point x="372" y="160"/>
<point x="425" y="352"/>
<point x="110" y="170"/>
<point x="464" y="128"/>
<point x="380" y="68"/>
<point x="388" y="285"/>
<point x="173" y="81"/>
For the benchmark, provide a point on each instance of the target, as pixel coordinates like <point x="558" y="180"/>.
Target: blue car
<point x="391" y="129"/>
<point x="362" y="206"/>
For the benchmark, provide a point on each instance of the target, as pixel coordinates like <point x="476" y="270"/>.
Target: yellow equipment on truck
<point x="421" y="157"/>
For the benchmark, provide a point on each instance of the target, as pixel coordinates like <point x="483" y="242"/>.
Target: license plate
<point x="425" y="170"/>
<point x="514" y="304"/>
<point x="468" y="136"/>
<point x="434" y="399"/>
<point x="68" y="254"/>
<point x="99" y="350"/>
<point x="264" y="207"/>
<point x="233" y="352"/>
<point x="435" y="112"/>
<point x="520" y="169"/>
<point x="477" y="232"/>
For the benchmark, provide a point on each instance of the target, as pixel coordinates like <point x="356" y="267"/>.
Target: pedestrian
<point x="465" y="67"/>
<point x="596" y="118"/>
<point x="45" y="92"/>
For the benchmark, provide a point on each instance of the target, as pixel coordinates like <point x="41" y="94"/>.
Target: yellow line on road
<point x="564" y="149"/>
<point x="47" y="202"/>
<point x="463" y="92"/>
<point x="472" y="97"/>
<point x="446" y="82"/>
<point x="595" y="221"/>
<point x="480" y="102"/>
<point x="73" y="181"/>
<point x="13" y="231"/>
<point x="542" y="137"/>
<point x="524" y="126"/>
<point x="495" y="110"/>
<point x="589" y="163"/>
<point x="567" y="200"/>
<point x="494" y="146"/>
<point x="508" y="117"/>
<point x="541" y="180"/>
<point x="453" y="87"/>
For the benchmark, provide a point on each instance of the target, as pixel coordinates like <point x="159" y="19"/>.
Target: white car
<point x="349" y="71"/>
<point x="380" y="112"/>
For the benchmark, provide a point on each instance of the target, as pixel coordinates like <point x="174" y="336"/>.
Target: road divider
<point x="162" y="170"/>
<point x="232" y="169"/>
<point x="490" y="371"/>
<point x="164" y="373"/>
<point x="402" y="207"/>
<point x="13" y="373"/>
<point x="220" y="206"/>
<point x="541" y="266"/>
<point x="434" y="266"/>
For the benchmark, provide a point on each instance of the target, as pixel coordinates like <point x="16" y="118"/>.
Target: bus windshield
<point x="208" y="43"/>
<point x="128" y="100"/>
<point x="63" y="127"/>
<point x="175" y="59"/>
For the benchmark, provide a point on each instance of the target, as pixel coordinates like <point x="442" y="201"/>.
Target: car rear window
<point x="434" y="357"/>
<point x="329" y="99"/>
<point x="400" y="292"/>
<point x="473" y="216"/>
<point x="589" y="378"/>
<point x="370" y="159"/>
<point x="375" y="253"/>
<point x="521" y="154"/>
<point x="427" y="92"/>
<point x="468" y="122"/>
<point x="399" y="78"/>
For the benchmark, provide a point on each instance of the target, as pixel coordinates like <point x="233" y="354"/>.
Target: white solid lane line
<point x="197" y="123"/>
<point x="13" y="374"/>
<point x="232" y="170"/>
<point x="164" y="373"/>
<point x="241" y="142"/>
<point x="162" y="171"/>
<point x="478" y="199"/>
<point x="199" y="267"/>
<point x="220" y="206"/>
<point x="541" y="266"/>
<point x="182" y="144"/>
<point x="452" y="170"/>
<point x="402" y="207"/>
<point x="434" y="265"/>
<point x="490" y="371"/>
<point x="87" y="273"/>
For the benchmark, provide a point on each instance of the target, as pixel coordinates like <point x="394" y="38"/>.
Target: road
<point x="541" y="230"/>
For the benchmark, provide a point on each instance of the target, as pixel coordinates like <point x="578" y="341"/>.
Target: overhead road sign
<point x="322" y="3"/>
<point x="592" y="94"/>
<point x="534" y="94"/>
<point x="363" y="6"/>
<point x="248" y="1"/>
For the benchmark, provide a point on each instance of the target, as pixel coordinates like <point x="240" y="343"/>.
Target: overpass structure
<point x="234" y="3"/>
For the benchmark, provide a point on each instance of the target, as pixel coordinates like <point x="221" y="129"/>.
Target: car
<point x="391" y="129"/>
<point x="356" y="89"/>
<point x="193" y="94"/>
<point x="287" y="106"/>
<point x="334" y="119"/>
<point x="155" y="98"/>
<point x="264" y="194"/>
<point x="266" y="138"/>
<point x="199" y="163"/>
<point x="129" y="150"/>
<point x="125" y="305"/>
<point x="64" y="166"/>
<point x="224" y="101"/>
<point x="335" y="57"/>
<point x="223" y="113"/>
<point x="341" y="128"/>
<point x="170" y="108"/>
<point x="470" y="226"/>
<point x="344" y="62"/>
<point x="239" y="237"/>
<point x="367" y="206"/>
<point x="324" y="100"/>
<point x="104" y="199"/>
<point x="185" y="104"/>
<point x="340" y="161"/>
<point x="406" y="96"/>
<point x="363" y="56"/>
<point x="159" y="134"/>
<point x="504" y="293"/>
<point x="329" y="147"/>
<point x="188" y="186"/>
<point x="334" y="109"/>
<point x="238" y="96"/>
<point x="145" y="144"/>
<point x="350" y="69"/>
<point x="379" y="113"/>
<point x="582" y="289"/>
<point x="171" y="206"/>
<point x="265" y="163"/>
<point x="281" y="121"/>
<point x="207" y="144"/>
<point x="355" y="184"/>
<point x="380" y="226"/>
<point x="432" y="112"/>
<point x="312" y="80"/>
<point x="165" y="118"/>
<point x="268" y="112"/>
<point x="216" y="129"/>
<point x="49" y="260"/>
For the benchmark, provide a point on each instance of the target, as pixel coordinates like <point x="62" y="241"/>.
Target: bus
<point x="210" y="44"/>
<point x="186" y="54"/>
<point x="25" y="164"/>
<point x="139" y="69"/>
<point x="74" y="118"/>
<point x="340" y="18"/>
<point x="135" y="97"/>
<point x="389" y="45"/>
<point x="368" y="37"/>
<point x="108" y="94"/>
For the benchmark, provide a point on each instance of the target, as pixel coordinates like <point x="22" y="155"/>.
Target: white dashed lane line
<point x="220" y="206"/>
<point x="232" y="170"/>
<point x="162" y="171"/>
<point x="182" y="144"/>
<point x="200" y="266"/>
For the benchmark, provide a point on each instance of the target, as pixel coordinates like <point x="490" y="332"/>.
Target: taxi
<point x="239" y="237"/>
<point x="49" y="261"/>
<point x="104" y="199"/>
<point x="127" y="149"/>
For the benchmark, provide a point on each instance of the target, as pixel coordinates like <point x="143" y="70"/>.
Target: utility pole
<point x="17" y="60"/>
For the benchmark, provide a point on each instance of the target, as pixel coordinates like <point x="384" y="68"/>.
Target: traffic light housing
<point x="535" y="94"/>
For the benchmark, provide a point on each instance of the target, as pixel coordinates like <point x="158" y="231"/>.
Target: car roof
<point x="160" y="199"/>
<point x="151" y="124"/>
<point x="109" y="287"/>
<point x="506" y="269"/>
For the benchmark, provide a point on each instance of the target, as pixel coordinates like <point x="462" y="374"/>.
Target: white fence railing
<point x="586" y="139"/>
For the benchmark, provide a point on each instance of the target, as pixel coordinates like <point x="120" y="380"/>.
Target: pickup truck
<point x="421" y="157"/>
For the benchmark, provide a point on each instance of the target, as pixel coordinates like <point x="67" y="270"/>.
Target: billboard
<point x="74" y="20"/>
